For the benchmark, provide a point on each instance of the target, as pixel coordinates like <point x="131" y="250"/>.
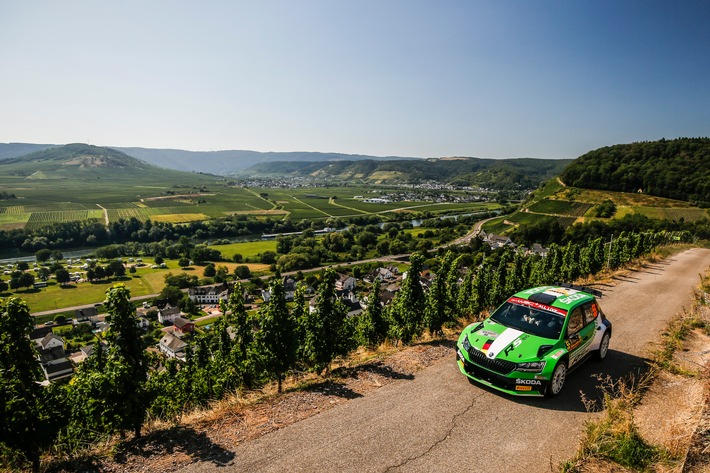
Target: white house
<point x="209" y="294"/>
<point x="345" y="283"/>
<point x="168" y="314"/>
<point x="172" y="346"/>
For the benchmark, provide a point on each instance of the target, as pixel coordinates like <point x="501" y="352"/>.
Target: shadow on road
<point x="586" y="380"/>
<point x="333" y="388"/>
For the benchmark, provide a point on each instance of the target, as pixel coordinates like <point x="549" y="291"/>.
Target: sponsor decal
<point x="523" y="388"/>
<point x="571" y="298"/>
<point x="530" y="382"/>
<point x="572" y="344"/>
<point x="537" y="305"/>
<point x="557" y="354"/>
<point x="489" y="334"/>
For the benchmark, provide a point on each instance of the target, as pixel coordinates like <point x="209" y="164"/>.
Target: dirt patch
<point x="213" y="435"/>
<point x="675" y="414"/>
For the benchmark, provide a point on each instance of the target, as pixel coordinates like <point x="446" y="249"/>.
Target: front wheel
<point x="601" y="353"/>
<point x="558" y="379"/>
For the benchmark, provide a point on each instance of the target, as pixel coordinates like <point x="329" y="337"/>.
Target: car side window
<point x="591" y="311"/>
<point x="576" y="321"/>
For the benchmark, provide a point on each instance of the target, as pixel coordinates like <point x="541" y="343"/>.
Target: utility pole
<point x="608" y="259"/>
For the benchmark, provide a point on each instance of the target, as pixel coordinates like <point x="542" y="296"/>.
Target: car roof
<point x="561" y="297"/>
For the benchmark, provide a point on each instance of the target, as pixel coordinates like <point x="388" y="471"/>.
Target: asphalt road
<point x="439" y="422"/>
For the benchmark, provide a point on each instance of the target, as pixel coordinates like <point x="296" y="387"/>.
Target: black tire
<point x="557" y="380"/>
<point x="603" y="350"/>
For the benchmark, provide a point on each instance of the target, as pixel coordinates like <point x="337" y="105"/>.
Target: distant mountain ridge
<point x="520" y="173"/>
<point x="233" y="162"/>
<point x="224" y="163"/>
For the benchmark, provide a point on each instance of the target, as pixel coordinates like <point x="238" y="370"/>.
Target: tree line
<point x="120" y="386"/>
<point x="676" y="169"/>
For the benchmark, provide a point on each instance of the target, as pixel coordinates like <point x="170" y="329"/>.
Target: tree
<point x="20" y="410"/>
<point x="326" y="331"/>
<point x="23" y="266"/>
<point x="117" y="268"/>
<point x="371" y="324"/>
<point x="43" y="255"/>
<point x="43" y="273"/>
<point x="435" y="312"/>
<point x="277" y="337"/>
<point x="242" y="272"/>
<point x="132" y="269"/>
<point x="172" y="294"/>
<point x="240" y="351"/>
<point x="209" y="271"/>
<point x="221" y="274"/>
<point x="57" y="255"/>
<point x="62" y="276"/>
<point x="184" y="262"/>
<point x="26" y="280"/>
<point x="407" y="309"/>
<point x="159" y="260"/>
<point x="127" y="354"/>
<point x="3" y="286"/>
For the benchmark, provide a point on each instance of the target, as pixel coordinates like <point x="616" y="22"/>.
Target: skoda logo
<point x="491" y="354"/>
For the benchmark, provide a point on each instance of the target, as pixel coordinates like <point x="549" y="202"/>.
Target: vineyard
<point x="560" y="207"/>
<point x="41" y="219"/>
<point x="673" y="213"/>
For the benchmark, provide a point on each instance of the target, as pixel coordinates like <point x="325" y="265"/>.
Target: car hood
<point x="497" y="341"/>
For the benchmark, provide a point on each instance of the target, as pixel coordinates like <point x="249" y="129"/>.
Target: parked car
<point x="531" y="342"/>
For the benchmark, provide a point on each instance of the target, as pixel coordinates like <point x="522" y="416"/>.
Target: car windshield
<point x="530" y="320"/>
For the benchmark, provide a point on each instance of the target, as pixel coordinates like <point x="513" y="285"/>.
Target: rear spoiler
<point x="590" y="290"/>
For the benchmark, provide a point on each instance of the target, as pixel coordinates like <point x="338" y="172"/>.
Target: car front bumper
<point x="516" y="384"/>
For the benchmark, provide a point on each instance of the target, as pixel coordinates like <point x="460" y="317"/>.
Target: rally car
<point x="528" y="345"/>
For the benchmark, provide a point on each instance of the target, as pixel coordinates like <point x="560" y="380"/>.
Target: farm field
<point x="44" y="201"/>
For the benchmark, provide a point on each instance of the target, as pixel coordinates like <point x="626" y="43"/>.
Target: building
<point x="184" y="325"/>
<point x="172" y="346"/>
<point x="52" y="358"/>
<point x="345" y="283"/>
<point x="209" y="294"/>
<point x="168" y="314"/>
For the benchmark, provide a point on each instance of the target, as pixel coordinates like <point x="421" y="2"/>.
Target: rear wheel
<point x="600" y="354"/>
<point x="558" y="379"/>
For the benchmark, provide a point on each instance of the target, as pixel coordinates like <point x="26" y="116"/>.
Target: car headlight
<point x="531" y="367"/>
<point x="466" y="345"/>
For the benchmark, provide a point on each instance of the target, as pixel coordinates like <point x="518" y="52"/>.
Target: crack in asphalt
<point x="443" y="439"/>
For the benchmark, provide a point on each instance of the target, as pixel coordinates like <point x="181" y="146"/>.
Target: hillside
<point x="676" y="169"/>
<point x="555" y="203"/>
<point x="525" y="173"/>
<point x="78" y="160"/>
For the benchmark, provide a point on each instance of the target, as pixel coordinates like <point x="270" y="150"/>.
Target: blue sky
<point x="497" y="78"/>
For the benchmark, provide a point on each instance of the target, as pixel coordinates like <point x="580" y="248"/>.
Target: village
<point x="59" y="360"/>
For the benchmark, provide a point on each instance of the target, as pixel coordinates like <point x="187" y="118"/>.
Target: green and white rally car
<point x="528" y="345"/>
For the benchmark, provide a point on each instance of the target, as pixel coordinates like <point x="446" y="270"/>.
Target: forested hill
<point x="523" y="173"/>
<point x="676" y="169"/>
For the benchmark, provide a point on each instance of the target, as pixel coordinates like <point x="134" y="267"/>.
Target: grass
<point x="247" y="249"/>
<point x="615" y="437"/>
